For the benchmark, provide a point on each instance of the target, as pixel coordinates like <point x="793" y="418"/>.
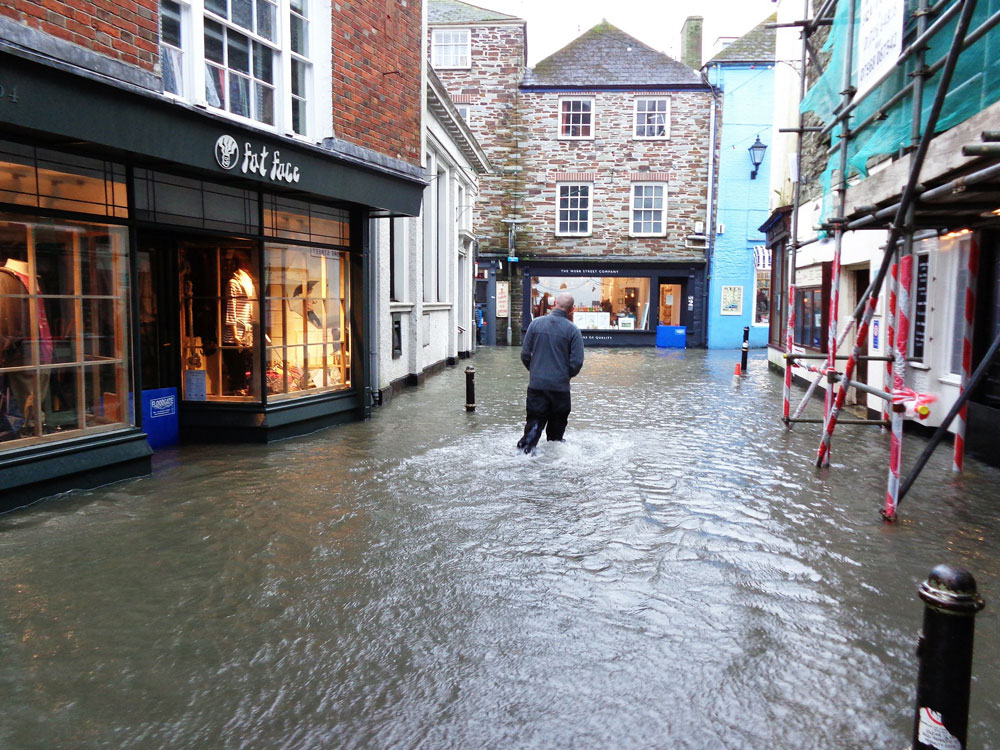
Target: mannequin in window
<point x="238" y="325"/>
<point x="21" y="403"/>
<point x="308" y="325"/>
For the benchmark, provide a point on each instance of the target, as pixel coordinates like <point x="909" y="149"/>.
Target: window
<point x="762" y="285"/>
<point x="648" y="201"/>
<point x="606" y="303"/>
<point x="573" y="213"/>
<point x="652" y="118"/>
<point x="809" y="318"/>
<point x="256" y="62"/>
<point x="64" y="338"/>
<point x="308" y="337"/>
<point x="171" y="47"/>
<point x="576" y="118"/>
<point x="463" y="110"/>
<point x="450" y="48"/>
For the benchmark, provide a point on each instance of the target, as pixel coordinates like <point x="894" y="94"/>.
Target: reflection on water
<point x="675" y="575"/>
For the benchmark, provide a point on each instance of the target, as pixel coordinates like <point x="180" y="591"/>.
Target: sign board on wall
<point x="880" y="40"/>
<point x="732" y="300"/>
<point x="503" y="299"/>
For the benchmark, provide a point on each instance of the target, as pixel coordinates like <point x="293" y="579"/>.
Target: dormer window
<point x="451" y="48"/>
<point x="576" y="118"/>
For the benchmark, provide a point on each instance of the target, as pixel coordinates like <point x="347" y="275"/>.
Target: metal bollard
<point x="746" y="349"/>
<point x="470" y="388"/>
<point x="944" y="652"/>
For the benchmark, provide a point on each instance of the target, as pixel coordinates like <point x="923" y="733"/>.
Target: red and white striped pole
<point x="831" y="355"/>
<point x="898" y="376"/>
<point x="789" y="332"/>
<point x="970" y="307"/>
<point x="890" y="338"/>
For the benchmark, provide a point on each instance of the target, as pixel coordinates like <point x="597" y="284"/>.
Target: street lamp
<point x="756" y="156"/>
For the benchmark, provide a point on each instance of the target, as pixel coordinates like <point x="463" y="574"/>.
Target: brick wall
<point x="376" y="75"/>
<point x="124" y="30"/>
<point x="614" y="160"/>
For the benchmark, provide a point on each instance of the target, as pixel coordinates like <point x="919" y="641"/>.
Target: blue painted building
<point x="740" y="267"/>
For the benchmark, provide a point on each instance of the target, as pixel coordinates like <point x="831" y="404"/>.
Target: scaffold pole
<point x="972" y="273"/>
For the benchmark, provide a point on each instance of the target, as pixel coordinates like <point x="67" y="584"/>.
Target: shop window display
<point x="602" y="303"/>
<point x="63" y="330"/>
<point x="308" y="337"/>
<point x="220" y="318"/>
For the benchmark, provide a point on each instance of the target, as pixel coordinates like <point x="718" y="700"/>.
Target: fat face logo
<point x="227" y="151"/>
<point x="267" y="164"/>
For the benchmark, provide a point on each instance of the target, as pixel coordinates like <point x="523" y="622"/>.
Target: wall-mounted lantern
<point x="756" y="156"/>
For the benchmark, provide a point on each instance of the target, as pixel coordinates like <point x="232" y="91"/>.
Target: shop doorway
<point x="671" y="296"/>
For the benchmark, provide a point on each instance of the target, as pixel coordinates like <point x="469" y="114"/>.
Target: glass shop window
<point x="220" y="322"/>
<point x="44" y="178"/>
<point x="809" y="318"/>
<point x="308" y="334"/>
<point x="64" y="354"/>
<point x="610" y="303"/>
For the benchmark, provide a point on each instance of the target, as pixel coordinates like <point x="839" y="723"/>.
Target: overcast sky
<point x="554" y="23"/>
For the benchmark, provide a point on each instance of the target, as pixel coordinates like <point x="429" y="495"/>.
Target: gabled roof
<point x="757" y="45"/>
<point x="453" y="11"/>
<point x="606" y="56"/>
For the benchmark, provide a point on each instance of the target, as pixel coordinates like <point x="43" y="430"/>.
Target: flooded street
<point x="676" y="575"/>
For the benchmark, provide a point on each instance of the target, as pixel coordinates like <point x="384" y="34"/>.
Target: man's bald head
<point x="564" y="302"/>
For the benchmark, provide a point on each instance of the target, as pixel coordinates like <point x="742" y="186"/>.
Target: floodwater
<point x="676" y="575"/>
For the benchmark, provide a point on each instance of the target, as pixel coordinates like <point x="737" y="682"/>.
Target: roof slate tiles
<point x="757" y="45"/>
<point x="453" y="11"/>
<point x="607" y="56"/>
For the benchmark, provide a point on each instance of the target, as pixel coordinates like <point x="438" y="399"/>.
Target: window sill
<point x="571" y="236"/>
<point x="576" y="137"/>
<point x="437" y="306"/>
<point x="400" y="307"/>
<point x="646" y="236"/>
<point x="650" y="137"/>
<point x="955" y="381"/>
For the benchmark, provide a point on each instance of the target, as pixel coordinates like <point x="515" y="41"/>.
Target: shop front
<point x="170" y="275"/>
<point x="619" y="304"/>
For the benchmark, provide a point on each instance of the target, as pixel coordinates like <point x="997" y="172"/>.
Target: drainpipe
<point x="710" y="218"/>
<point x="372" y="302"/>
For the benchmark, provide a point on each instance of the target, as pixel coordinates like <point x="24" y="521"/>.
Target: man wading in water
<point x="552" y="351"/>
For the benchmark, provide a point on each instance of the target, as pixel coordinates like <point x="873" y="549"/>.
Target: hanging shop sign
<point x="253" y="160"/>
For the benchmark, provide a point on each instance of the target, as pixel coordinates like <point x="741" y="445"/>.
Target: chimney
<point x="691" y="42"/>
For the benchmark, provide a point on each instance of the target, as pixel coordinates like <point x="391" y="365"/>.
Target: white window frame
<point x="560" y="209"/>
<point x="437" y="46"/>
<point x="757" y="270"/>
<point x="193" y="65"/>
<point x="633" y="209"/>
<point x="635" y="119"/>
<point x="593" y="118"/>
<point x="465" y="110"/>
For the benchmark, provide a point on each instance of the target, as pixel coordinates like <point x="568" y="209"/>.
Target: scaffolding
<point x="947" y="47"/>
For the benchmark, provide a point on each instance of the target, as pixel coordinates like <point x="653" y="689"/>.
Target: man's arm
<point x="527" y="345"/>
<point x="575" y="353"/>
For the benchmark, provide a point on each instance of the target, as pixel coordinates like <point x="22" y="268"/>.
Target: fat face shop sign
<point x="254" y="161"/>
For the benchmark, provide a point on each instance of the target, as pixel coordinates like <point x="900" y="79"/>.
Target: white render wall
<point x="433" y="267"/>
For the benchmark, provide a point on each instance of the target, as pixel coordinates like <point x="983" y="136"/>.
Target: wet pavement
<point x="676" y="575"/>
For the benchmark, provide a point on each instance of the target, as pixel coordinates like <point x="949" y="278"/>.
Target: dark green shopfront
<point x="171" y="275"/>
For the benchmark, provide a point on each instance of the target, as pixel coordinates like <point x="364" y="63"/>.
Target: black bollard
<point x="746" y="349"/>
<point x="944" y="653"/>
<point x="470" y="388"/>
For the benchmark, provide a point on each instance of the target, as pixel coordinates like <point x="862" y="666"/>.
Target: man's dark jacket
<point x="552" y="351"/>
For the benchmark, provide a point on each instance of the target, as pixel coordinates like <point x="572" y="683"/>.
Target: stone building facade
<point x="604" y="179"/>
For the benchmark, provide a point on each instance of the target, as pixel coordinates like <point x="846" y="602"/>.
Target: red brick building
<point x="185" y="195"/>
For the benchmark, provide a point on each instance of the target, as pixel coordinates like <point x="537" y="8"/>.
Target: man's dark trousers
<point x="548" y="410"/>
